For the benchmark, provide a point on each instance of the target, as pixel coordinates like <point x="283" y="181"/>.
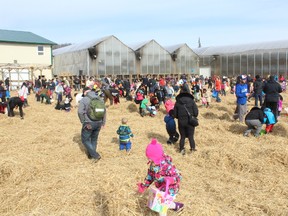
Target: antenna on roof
<point x="199" y="43"/>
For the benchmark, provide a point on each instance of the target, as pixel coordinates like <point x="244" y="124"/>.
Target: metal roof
<point x="174" y="48"/>
<point x="139" y="45"/>
<point x="244" y="48"/>
<point x="11" y="36"/>
<point x="79" y="46"/>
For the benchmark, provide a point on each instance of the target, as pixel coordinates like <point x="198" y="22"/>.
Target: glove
<point x="141" y="188"/>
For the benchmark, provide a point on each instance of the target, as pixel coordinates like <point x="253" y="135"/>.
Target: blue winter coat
<point x="170" y="124"/>
<point x="241" y="91"/>
<point x="269" y="117"/>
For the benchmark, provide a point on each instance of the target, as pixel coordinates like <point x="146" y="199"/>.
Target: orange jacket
<point x="217" y="84"/>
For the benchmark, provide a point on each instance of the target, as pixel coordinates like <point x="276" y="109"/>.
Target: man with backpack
<point x="92" y="115"/>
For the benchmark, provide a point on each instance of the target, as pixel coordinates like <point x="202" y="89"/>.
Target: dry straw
<point x="44" y="170"/>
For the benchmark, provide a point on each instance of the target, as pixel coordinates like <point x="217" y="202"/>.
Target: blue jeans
<point x="89" y="138"/>
<point x="126" y="146"/>
<point x="217" y="96"/>
<point x="59" y="97"/>
<point x="258" y="97"/>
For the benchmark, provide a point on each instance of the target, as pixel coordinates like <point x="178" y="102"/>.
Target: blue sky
<point x="219" y="22"/>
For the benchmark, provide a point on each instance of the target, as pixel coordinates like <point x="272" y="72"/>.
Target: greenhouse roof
<point x="244" y="48"/>
<point x="173" y="48"/>
<point x="79" y="46"/>
<point x="139" y="45"/>
<point x="11" y="36"/>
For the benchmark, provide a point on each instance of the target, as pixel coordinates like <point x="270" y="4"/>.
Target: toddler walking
<point x="164" y="175"/>
<point x="124" y="133"/>
<point x="269" y="120"/>
<point x="171" y="127"/>
<point x="206" y="98"/>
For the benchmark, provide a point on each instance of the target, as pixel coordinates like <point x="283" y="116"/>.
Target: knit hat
<point x="154" y="151"/>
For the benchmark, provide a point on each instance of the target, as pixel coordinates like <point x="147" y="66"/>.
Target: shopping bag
<point x="214" y="94"/>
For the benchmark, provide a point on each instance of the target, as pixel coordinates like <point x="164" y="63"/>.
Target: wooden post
<point x="18" y="75"/>
<point x="9" y="74"/>
<point x="32" y="74"/>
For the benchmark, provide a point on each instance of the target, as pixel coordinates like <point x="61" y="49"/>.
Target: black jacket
<point x="13" y="102"/>
<point x="185" y="88"/>
<point x="255" y="113"/>
<point x="258" y="86"/>
<point x="272" y="90"/>
<point x="179" y="109"/>
<point x="2" y="92"/>
<point x="38" y="83"/>
<point x="126" y="84"/>
<point x="145" y="81"/>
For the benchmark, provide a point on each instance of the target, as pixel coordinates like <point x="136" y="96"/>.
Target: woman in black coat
<point x="185" y="129"/>
<point x="272" y="90"/>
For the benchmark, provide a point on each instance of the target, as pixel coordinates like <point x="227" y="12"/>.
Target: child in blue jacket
<point x="269" y="120"/>
<point x="171" y="127"/>
<point x="124" y="133"/>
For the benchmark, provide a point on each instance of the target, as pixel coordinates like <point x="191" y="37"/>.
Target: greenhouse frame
<point x="184" y="58"/>
<point x="100" y="57"/>
<point x="264" y="59"/>
<point x="109" y="56"/>
<point x="152" y="58"/>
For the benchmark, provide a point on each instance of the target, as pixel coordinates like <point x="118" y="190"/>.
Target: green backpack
<point x="96" y="108"/>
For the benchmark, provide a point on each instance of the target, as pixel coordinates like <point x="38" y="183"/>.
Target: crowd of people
<point x="179" y="96"/>
<point x="151" y="91"/>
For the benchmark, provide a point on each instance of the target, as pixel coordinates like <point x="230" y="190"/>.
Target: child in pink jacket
<point x="161" y="171"/>
<point x="169" y="105"/>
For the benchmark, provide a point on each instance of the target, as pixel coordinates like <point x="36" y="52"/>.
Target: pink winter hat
<point x="154" y="151"/>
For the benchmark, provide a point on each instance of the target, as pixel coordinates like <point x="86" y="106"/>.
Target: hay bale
<point x="44" y="169"/>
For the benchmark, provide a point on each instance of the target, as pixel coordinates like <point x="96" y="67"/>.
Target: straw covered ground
<point x="44" y="170"/>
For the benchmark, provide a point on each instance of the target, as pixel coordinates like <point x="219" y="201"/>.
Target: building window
<point x="40" y="50"/>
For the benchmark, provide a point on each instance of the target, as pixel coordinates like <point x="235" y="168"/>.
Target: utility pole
<point x="199" y="43"/>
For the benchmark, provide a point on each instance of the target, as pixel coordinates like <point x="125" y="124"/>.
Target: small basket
<point x="159" y="201"/>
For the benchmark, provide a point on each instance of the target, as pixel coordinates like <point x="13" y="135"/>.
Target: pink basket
<point x="158" y="201"/>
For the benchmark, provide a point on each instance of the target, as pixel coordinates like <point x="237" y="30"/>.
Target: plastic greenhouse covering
<point x="244" y="48"/>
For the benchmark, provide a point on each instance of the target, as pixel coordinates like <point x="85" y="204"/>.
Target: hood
<point x="267" y="109"/>
<point x="255" y="108"/>
<point x="184" y="98"/>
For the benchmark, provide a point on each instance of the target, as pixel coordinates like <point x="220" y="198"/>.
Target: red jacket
<point x="217" y="84"/>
